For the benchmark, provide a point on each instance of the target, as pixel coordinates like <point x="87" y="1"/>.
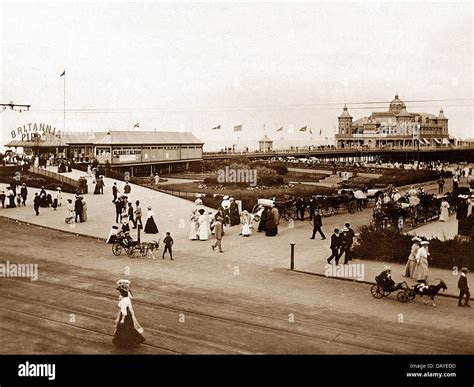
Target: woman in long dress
<point x="421" y="268"/>
<point x="193" y="233"/>
<point x="411" y="263"/>
<point x="84" y="210"/>
<point x="150" y="226"/>
<point x="271" y="229"/>
<point x="128" y="331"/>
<point x="70" y="216"/>
<point x="444" y="216"/>
<point x="203" y="221"/>
<point x="245" y="221"/>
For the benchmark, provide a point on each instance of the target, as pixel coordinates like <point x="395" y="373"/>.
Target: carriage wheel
<point x="326" y="211"/>
<point x="402" y="296"/>
<point x="376" y="291"/>
<point x="116" y="249"/>
<point x="351" y="207"/>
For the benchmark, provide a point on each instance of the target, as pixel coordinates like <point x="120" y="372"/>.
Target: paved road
<point x="205" y="304"/>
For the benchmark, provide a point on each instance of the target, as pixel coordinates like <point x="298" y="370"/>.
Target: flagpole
<point x="64" y="107"/>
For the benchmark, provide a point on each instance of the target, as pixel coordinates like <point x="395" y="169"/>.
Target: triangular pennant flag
<point x="216" y="127"/>
<point x="137" y="125"/>
<point x="280" y="129"/>
<point x="64" y="73"/>
<point x="237" y="128"/>
<point x="303" y="129"/>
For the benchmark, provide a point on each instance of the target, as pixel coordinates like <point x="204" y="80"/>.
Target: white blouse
<point x="123" y="304"/>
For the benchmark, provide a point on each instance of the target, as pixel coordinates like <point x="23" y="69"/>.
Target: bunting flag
<point x="237" y="128"/>
<point x="64" y="73"/>
<point x="137" y="125"/>
<point x="216" y="127"/>
<point x="280" y="129"/>
<point x="303" y="129"/>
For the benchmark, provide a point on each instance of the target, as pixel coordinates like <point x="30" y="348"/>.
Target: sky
<point x="192" y="66"/>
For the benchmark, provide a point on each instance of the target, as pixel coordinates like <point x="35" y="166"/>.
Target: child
<point x="463" y="288"/>
<point x="168" y="241"/>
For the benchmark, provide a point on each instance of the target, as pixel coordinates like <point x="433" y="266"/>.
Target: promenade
<point x="172" y="214"/>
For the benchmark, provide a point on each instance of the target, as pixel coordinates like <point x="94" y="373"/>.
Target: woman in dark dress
<point x="270" y="226"/>
<point x="234" y="213"/>
<point x="150" y="226"/>
<point x="262" y="226"/>
<point x="128" y="332"/>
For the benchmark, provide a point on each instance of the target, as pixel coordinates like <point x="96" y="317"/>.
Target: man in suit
<point x="218" y="233"/>
<point x="114" y="192"/>
<point x="300" y="207"/>
<point x="312" y="207"/>
<point x="78" y="206"/>
<point x="463" y="288"/>
<point x="317" y="224"/>
<point x="347" y="241"/>
<point x="335" y="246"/>
<point x="138" y="215"/>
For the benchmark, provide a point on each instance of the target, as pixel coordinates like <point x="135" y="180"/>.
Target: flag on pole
<point x="216" y="127"/>
<point x="64" y="73"/>
<point x="303" y="129"/>
<point x="237" y="128"/>
<point x="137" y="125"/>
<point x="280" y="129"/>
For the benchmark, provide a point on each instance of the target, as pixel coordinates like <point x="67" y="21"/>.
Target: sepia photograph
<point x="237" y="178"/>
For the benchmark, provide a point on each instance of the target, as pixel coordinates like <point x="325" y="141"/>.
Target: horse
<point x="430" y="290"/>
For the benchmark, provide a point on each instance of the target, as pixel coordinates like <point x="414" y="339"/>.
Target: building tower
<point x="345" y="122"/>
<point x="443" y="122"/>
<point x="396" y="106"/>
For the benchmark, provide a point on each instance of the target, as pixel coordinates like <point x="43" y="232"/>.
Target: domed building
<point x="394" y="128"/>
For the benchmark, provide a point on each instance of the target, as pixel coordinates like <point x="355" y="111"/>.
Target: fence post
<point x="292" y="256"/>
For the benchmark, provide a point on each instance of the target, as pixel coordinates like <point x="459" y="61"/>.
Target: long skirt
<point x="421" y="271"/>
<point x="96" y="189"/>
<point x="444" y="216"/>
<point x="410" y="268"/>
<point x="126" y="336"/>
<point x="193" y="233"/>
<point x="150" y="226"/>
<point x="271" y="231"/>
<point x="246" y="230"/>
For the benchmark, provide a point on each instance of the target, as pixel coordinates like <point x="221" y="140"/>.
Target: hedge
<point x="390" y="245"/>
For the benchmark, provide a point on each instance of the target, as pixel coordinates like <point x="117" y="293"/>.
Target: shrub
<point x="393" y="246"/>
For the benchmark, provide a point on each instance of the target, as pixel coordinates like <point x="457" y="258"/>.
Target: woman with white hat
<point x="410" y="266"/>
<point x="421" y="267"/>
<point x="128" y="331"/>
<point x="150" y="225"/>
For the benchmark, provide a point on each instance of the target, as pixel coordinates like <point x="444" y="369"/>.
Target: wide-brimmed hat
<point x="465" y="270"/>
<point x="424" y="243"/>
<point x="123" y="284"/>
<point x="386" y="267"/>
<point x="226" y="197"/>
<point x="149" y="207"/>
<point x="416" y="239"/>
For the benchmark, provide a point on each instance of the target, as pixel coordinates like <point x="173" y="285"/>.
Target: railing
<point x="54" y="175"/>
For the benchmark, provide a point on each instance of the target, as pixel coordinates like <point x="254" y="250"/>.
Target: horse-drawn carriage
<point x="384" y="286"/>
<point x="134" y="249"/>
<point x="418" y="209"/>
<point x="286" y="208"/>
<point x="332" y="204"/>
